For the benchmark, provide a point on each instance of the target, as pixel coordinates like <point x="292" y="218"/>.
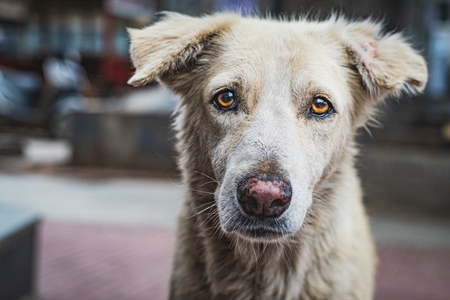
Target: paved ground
<point x="413" y="273"/>
<point x="112" y="237"/>
<point x="107" y="200"/>
<point x="88" y="261"/>
<point x="85" y="261"/>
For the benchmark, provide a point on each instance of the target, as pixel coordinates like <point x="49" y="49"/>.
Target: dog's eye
<point x="321" y="107"/>
<point x="225" y="100"/>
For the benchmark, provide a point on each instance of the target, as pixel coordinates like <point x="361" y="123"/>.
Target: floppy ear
<point x="386" y="62"/>
<point x="172" y="43"/>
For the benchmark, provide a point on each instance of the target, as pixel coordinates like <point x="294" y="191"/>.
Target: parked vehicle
<point x="26" y="101"/>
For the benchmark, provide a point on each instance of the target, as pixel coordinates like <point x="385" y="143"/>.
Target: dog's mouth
<point x="259" y="230"/>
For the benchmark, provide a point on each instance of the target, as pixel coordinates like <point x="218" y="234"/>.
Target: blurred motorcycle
<point x="26" y="103"/>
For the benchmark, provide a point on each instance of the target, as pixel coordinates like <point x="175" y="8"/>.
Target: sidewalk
<point x="105" y="200"/>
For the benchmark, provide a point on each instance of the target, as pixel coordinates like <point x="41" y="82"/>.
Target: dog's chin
<point x="260" y="235"/>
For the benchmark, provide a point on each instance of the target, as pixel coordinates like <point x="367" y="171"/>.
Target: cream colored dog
<point x="266" y="126"/>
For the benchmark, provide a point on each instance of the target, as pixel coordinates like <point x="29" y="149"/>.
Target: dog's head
<point x="269" y="108"/>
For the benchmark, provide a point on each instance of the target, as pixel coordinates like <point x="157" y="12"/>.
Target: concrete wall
<point x="405" y="178"/>
<point x="123" y="140"/>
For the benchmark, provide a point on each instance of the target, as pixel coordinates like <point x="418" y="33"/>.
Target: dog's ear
<point x="387" y="64"/>
<point x="171" y="43"/>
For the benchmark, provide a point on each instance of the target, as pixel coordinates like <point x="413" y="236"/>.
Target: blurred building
<point x="33" y="29"/>
<point x="30" y="30"/>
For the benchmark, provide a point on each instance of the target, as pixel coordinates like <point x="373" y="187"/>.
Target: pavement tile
<point x="90" y="261"/>
<point x="413" y="273"/>
<point x="85" y="261"/>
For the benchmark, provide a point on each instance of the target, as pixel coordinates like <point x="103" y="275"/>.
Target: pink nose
<point x="264" y="198"/>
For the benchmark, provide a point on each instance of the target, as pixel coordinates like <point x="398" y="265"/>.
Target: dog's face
<point x="272" y="106"/>
<point x="287" y="117"/>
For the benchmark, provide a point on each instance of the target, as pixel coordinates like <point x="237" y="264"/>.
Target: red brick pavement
<point x="99" y="262"/>
<point x="413" y="273"/>
<point x="96" y="262"/>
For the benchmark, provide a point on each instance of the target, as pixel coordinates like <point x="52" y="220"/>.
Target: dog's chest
<point x="275" y="273"/>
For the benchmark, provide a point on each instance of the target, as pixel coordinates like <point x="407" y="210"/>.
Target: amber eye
<point x="320" y="107"/>
<point x="225" y="100"/>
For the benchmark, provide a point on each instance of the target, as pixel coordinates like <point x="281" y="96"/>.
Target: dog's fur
<point x="324" y="249"/>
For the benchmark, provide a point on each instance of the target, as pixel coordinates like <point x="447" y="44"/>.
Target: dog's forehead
<point x="274" y="39"/>
<point x="267" y="53"/>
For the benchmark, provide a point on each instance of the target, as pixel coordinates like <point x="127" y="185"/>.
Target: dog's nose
<point x="264" y="198"/>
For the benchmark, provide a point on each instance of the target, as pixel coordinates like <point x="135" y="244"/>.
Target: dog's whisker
<point x="203" y="192"/>
<point x="254" y="250"/>
<point x="203" y="210"/>
<point x="206" y="203"/>
<point x="208" y="182"/>
<point x="207" y="176"/>
<point x="208" y="219"/>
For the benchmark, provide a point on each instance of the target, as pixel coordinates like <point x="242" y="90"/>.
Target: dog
<point x="266" y="141"/>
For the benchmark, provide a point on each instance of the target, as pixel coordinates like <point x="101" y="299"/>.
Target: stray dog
<point x="266" y="137"/>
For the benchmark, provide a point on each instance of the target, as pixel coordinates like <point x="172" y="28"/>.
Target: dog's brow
<point x="224" y="80"/>
<point x="310" y="89"/>
<point x="307" y="85"/>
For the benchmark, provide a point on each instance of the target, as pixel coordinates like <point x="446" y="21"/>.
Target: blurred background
<point x="89" y="191"/>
